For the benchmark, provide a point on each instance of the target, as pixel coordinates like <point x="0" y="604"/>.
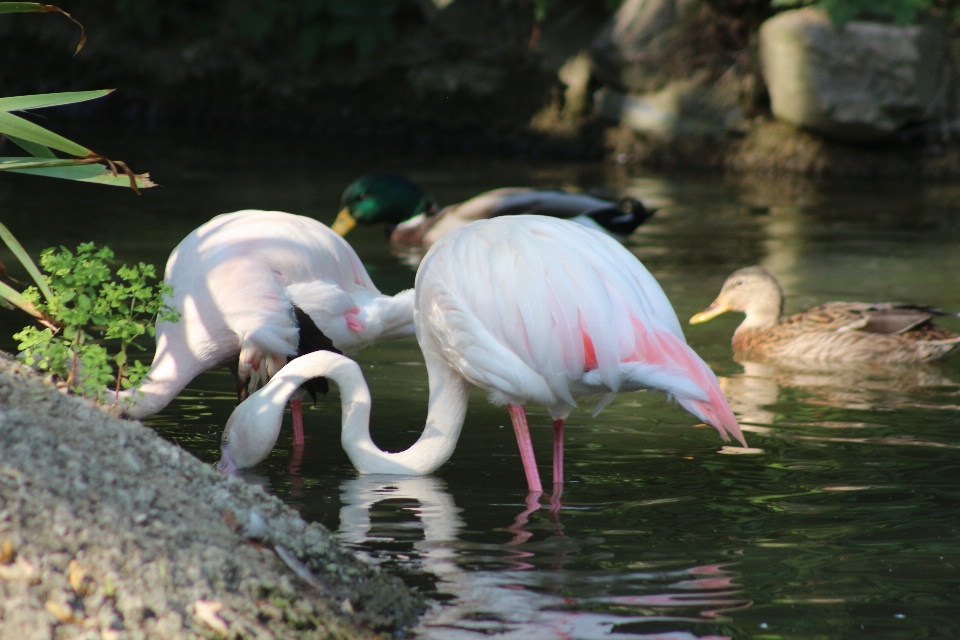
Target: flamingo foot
<point x="519" y="418"/>
<point x="558" y="452"/>
<point x="296" y="410"/>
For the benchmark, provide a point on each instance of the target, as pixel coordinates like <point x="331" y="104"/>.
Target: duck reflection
<point x="862" y="387"/>
<point x="522" y="600"/>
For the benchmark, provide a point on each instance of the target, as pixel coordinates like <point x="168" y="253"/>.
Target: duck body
<point x="529" y="309"/>
<point x="255" y="288"/>
<point x="415" y="222"/>
<point x="890" y="332"/>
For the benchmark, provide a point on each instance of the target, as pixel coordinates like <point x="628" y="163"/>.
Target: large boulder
<point x="861" y="82"/>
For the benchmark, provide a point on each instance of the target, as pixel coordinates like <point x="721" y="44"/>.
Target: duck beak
<point x="719" y="306"/>
<point x="344" y="223"/>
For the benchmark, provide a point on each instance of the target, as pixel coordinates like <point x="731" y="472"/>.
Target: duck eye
<point x="364" y="196"/>
<point x="738" y="283"/>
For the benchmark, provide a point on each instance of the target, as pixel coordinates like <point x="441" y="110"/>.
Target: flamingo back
<point x="538" y="309"/>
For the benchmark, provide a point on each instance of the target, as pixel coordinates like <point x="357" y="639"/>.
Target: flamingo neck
<point x="449" y="393"/>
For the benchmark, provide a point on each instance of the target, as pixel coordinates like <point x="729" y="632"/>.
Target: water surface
<point x="840" y="522"/>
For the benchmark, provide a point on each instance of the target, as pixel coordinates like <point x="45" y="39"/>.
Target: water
<point x="840" y="522"/>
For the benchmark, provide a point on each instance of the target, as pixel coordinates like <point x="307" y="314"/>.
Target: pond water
<point x="843" y="520"/>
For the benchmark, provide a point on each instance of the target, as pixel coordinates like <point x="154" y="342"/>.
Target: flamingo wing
<point x="534" y="308"/>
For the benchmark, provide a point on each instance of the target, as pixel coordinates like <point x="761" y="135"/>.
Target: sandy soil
<point x="108" y="531"/>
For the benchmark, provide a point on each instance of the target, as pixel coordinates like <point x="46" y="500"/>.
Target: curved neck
<point x="449" y="393"/>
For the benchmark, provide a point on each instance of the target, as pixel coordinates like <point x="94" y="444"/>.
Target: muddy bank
<point x="110" y="531"/>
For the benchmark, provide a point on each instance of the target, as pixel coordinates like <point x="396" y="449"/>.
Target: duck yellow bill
<point x="711" y="312"/>
<point x="344" y="223"/>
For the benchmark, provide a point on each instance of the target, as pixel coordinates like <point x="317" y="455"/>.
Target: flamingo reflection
<point x="522" y="601"/>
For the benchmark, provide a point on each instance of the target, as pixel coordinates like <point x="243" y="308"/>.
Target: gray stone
<point x="861" y="82"/>
<point x="684" y="108"/>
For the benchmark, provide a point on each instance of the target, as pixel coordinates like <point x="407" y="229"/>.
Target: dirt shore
<point x="108" y="531"/>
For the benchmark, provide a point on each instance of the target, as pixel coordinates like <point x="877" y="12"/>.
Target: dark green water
<point x="843" y="521"/>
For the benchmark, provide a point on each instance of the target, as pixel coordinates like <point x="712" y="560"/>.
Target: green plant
<point x="84" y="299"/>
<point x="900" y="11"/>
<point x="87" y="166"/>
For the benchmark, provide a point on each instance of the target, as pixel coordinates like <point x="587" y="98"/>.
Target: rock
<point x="684" y="108"/>
<point x="138" y="557"/>
<point x="861" y="82"/>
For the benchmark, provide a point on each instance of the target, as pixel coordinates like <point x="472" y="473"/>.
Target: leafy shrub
<point x="87" y="299"/>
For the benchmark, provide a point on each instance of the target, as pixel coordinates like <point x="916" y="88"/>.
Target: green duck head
<point x="380" y="197"/>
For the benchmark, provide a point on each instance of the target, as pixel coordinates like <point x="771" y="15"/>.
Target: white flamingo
<point x="528" y="308"/>
<point x="255" y="288"/>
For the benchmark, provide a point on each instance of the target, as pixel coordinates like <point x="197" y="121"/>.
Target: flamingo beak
<point x="344" y="223"/>
<point x="226" y="464"/>
<point x="719" y="306"/>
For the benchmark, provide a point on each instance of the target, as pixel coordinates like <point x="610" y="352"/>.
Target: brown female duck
<point x="887" y="332"/>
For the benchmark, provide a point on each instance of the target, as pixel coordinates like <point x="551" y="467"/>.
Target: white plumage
<point x="530" y="309"/>
<point x="236" y="280"/>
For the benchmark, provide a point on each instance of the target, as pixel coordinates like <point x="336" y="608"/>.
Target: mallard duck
<point x="889" y="332"/>
<point x="413" y="219"/>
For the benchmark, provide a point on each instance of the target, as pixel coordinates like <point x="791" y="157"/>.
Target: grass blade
<point x="34" y="149"/>
<point x="41" y="100"/>
<point x="17" y="126"/>
<point x="97" y="173"/>
<point x="11" y="295"/>
<point x="14" y="245"/>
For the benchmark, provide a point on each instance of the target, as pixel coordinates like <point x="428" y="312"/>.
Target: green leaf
<point x="70" y="170"/>
<point x="14" y="245"/>
<point x="17" y="126"/>
<point x="14" y="297"/>
<point x="41" y="100"/>
<point x="20" y="7"/>
<point x="34" y="149"/>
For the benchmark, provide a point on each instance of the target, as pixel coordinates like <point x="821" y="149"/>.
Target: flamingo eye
<point x="225" y="438"/>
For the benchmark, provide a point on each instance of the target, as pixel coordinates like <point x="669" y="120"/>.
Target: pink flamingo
<point x="529" y="309"/>
<point x="255" y="288"/>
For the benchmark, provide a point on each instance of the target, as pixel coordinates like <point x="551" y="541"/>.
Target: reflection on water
<point x="840" y="522"/>
<point x="531" y="594"/>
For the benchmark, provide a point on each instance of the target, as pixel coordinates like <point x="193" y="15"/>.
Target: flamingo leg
<point x="558" y="452"/>
<point x="519" y="418"/>
<point x="297" y="413"/>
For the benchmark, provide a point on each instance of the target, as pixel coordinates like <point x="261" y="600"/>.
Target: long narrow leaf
<point x="17" y="126"/>
<point x="13" y="296"/>
<point x="20" y="163"/>
<point x="41" y="100"/>
<point x="26" y="261"/>
<point x="20" y="7"/>
<point x="34" y="149"/>
<point x="97" y="173"/>
<point x="36" y="7"/>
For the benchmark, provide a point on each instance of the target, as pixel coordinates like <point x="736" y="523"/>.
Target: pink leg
<point x="521" y="535"/>
<point x="558" y="452"/>
<point x="519" y="418"/>
<point x="296" y="411"/>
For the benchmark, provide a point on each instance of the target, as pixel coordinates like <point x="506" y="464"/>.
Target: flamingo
<point x="529" y="309"/>
<point x="255" y="288"/>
